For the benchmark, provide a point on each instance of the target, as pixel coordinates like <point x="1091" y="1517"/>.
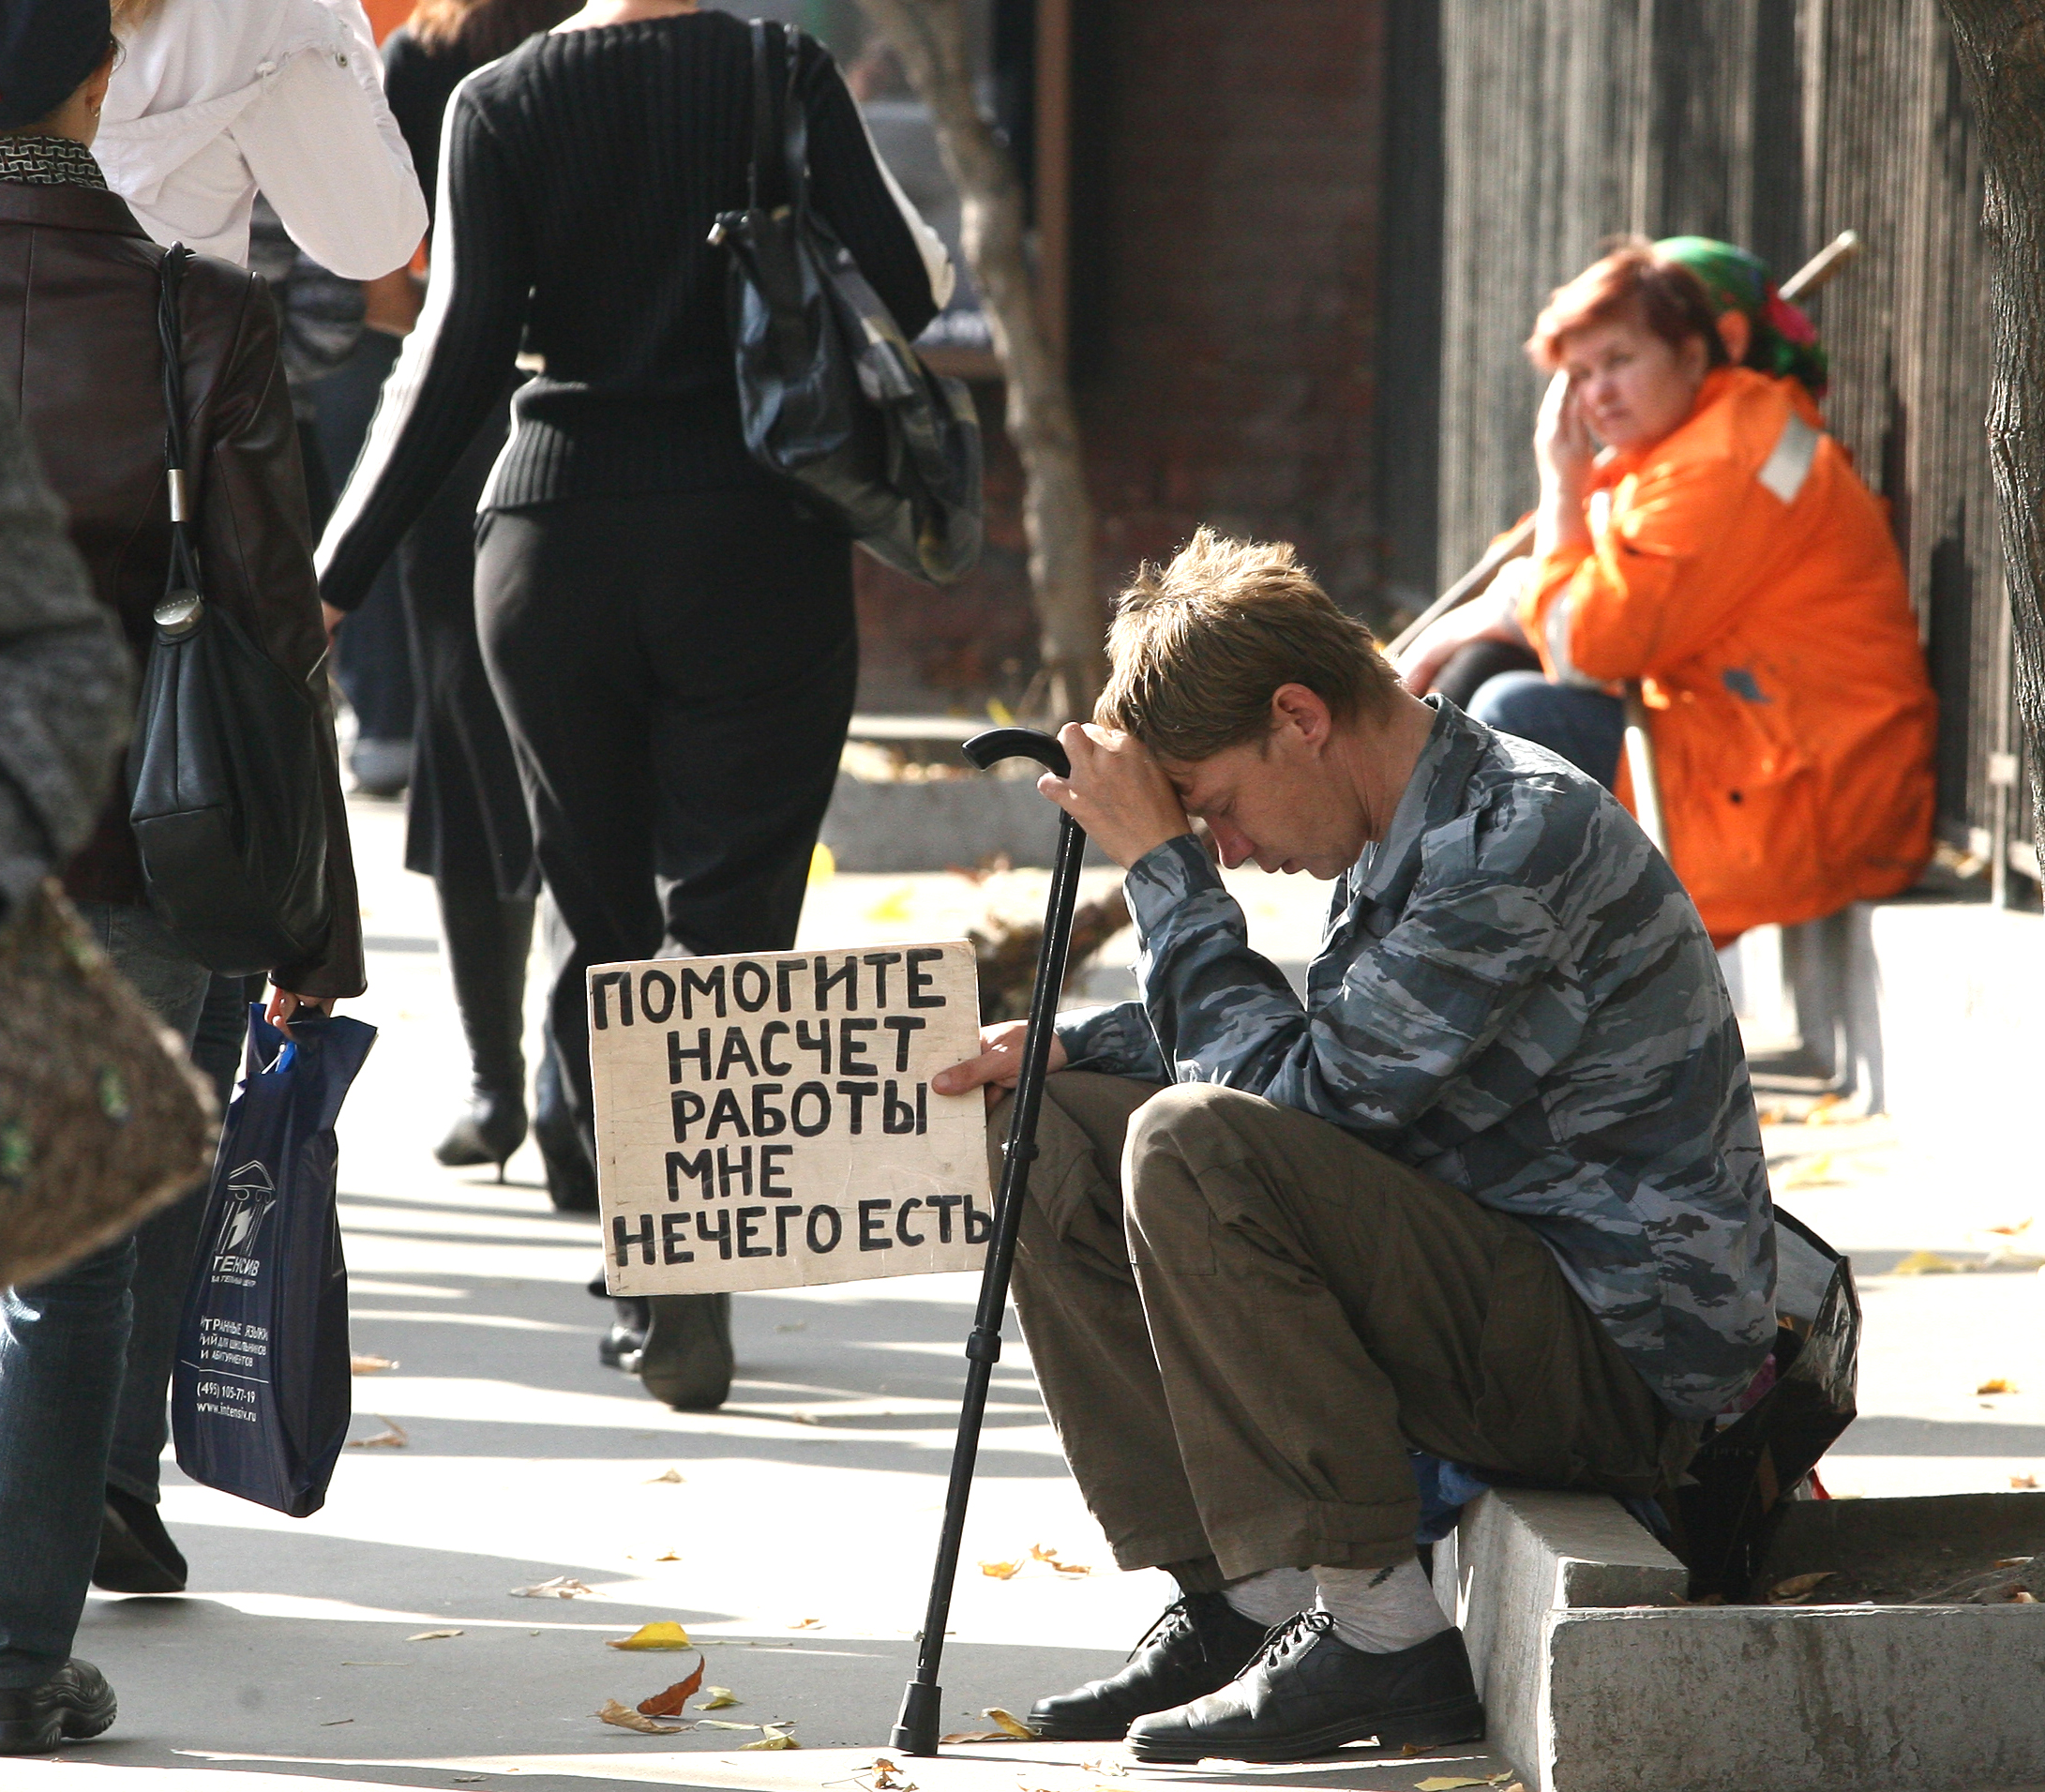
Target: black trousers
<point x="676" y="673"/>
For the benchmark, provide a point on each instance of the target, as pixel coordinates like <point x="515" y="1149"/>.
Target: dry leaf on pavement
<point x="1998" y="1384"/>
<point x="2020" y="1482"/>
<point x="2017" y="1230"/>
<point x="371" y="1366"/>
<point x="1447" y="1783"/>
<point x="885" y="1777"/>
<point x="662" y="1635"/>
<point x="561" y="1587"/>
<point x="1927" y="1263"/>
<point x="723" y="1724"/>
<point x="671" y="1702"/>
<point x="1010" y="1725"/>
<point x="670" y="1556"/>
<point x="977" y="1736"/>
<point x="390" y="1437"/>
<point x="430" y="1635"/>
<point x="807" y="1623"/>
<point x="672" y="1474"/>
<point x="999" y="1570"/>
<point x="1797" y="1587"/>
<point x="716" y="1698"/>
<point x="626" y="1718"/>
<point x="775" y="1738"/>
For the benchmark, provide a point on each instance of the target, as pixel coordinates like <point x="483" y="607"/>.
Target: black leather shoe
<point x="136" y="1552"/>
<point x="1196" y="1646"/>
<point x="73" y="1704"/>
<point x="1309" y="1693"/>
<point x="686" y="1360"/>
<point x="620" y="1346"/>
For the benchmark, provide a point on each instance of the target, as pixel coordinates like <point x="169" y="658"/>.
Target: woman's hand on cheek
<point x="1563" y="449"/>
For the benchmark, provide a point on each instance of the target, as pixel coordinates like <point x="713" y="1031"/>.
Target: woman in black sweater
<point x="466" y="825"/>
<point x="670" y="634"/>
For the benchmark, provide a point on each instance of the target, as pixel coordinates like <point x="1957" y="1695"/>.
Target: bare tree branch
<point x="929" y="37"/>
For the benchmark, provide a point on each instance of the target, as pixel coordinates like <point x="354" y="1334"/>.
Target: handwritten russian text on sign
<point x="767" y="1121"/>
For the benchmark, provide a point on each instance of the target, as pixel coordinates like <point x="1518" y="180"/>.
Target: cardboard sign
<point x="767" y="1122"/>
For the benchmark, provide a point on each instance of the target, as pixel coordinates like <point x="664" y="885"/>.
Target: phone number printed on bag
<point x="767" y="1121"/>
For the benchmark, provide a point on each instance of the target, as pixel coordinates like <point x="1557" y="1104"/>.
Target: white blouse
<point x="213" y="101"/>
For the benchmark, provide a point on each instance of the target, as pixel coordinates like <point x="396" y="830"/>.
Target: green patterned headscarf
<point x="1785" y="341"/>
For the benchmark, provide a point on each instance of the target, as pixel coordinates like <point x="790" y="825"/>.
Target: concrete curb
<point x="930" y="826"/>
<point x="1595" y="1679"/>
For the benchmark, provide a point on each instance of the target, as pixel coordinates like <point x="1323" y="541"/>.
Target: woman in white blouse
<point x="213" y="101"/>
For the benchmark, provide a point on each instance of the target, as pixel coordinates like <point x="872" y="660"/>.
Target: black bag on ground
<point x="224" y="773"/>
<point x="1741" y="1474"/>
<point x="832" y="396"/>
<point x="262" y="1397"/>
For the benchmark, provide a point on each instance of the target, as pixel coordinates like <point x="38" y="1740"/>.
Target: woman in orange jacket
<point x="1723" y="551"/>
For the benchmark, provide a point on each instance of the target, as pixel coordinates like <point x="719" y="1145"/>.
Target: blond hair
<point x="1199" y="648"/>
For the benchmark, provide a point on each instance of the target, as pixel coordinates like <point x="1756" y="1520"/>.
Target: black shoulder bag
<point x="225" y="774"/>
<point x="830" y="394"/>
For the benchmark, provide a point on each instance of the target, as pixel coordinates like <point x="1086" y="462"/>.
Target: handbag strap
<point x="179" y="612"/>
<point x="783" y="152"/>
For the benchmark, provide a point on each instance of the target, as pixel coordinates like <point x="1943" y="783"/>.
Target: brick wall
<point x="1227" y="176"/>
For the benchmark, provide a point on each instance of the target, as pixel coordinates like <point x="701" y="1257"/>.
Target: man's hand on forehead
<point x="1117" y="791"/>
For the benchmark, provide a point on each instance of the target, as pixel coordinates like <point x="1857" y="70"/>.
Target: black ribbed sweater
<point x="580" y="179"/>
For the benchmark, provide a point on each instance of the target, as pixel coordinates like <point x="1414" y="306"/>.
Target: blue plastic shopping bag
<point x="261" y="1402"/>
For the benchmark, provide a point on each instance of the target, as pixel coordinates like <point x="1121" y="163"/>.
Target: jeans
<point x="62" y="1346"/>
<point x="165" y="1244"/>
<point x="1585" y="727"/>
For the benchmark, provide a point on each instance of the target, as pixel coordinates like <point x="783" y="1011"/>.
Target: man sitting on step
<point x="1494" y="1191"/>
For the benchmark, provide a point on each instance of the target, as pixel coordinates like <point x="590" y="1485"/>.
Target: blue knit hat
<point x="47" y="49"/>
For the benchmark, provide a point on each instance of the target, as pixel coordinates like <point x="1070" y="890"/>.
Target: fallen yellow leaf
<point x="2024" y="1596"/>
<point x="1814" y="1172"/>
<point x="1072" y="1568"/>
<point x="884" y="1780"/>
<point x="2020" y="1482"/>
<point x="626" y="1718"/>
<point x="1825" y="1111"/>
<point x="1447" y="1783"/>
<point x="1797" y="1587"/>
<point x="390" y="1437"/>
<point x="723" y="1724"/>
<point x="999" y="1570"/>
<point x="894" y="907"/>
<point x="775" y="1738"/>
<point x="672" y="1474"/>
<point x="807" y="1623"/>
<point x="665" y="1634"/>
<point x="371" y="1366"/>
<point x="1926" y="1263"/>
<point x="1010" y="1725"/>
<point x="1998" y="1384"/>
<point x="2017" y="1230"/>
<point x="430" y="1635"/>
<point x="715" y="1698"/>
<point x="977" y="1736"/>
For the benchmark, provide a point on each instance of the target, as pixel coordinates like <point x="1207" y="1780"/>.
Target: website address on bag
<point x="223" y="1401"/>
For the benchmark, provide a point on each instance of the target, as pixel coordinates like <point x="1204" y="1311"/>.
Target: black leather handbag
<point x="225" y="773"/>
<point x="830" y="394"/>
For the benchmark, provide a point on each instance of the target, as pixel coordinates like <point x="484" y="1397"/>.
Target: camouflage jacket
<point x="1514" y="995"/>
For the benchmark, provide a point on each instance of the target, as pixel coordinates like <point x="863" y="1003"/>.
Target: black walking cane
<point x="916" y="1729"/>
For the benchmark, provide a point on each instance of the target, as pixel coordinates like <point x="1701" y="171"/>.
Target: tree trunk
<point x="2002" y="56"/>
<point x="930" y="37"/>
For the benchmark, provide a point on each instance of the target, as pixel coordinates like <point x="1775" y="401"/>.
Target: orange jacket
<point x="1744" y="574"/>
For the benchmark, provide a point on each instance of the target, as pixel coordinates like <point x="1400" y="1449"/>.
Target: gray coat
<point x="67" y="685"/>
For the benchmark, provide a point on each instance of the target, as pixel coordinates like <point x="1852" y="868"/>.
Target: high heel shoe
<point x="493" y="1128"/>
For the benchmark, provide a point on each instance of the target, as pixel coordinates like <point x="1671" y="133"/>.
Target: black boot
<point x="487" y="941"/>
<point x="685" y="1357"/>
<point x="621" y="1346"/>
<point x="571" y="1178"/>
<point x="1310" y="1693"/>
<point x="136" y="1552"/>
<point x="1193" y="1647"/>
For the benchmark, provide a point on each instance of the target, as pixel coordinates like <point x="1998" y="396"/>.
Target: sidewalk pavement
<point x="791" y="1532"/>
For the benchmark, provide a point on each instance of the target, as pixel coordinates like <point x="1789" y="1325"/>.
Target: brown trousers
<point x="1242" y="1320"/>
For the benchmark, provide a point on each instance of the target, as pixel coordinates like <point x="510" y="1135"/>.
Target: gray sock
<point x="1271" y="1597"/>
<point x="1382" y="1609"/>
